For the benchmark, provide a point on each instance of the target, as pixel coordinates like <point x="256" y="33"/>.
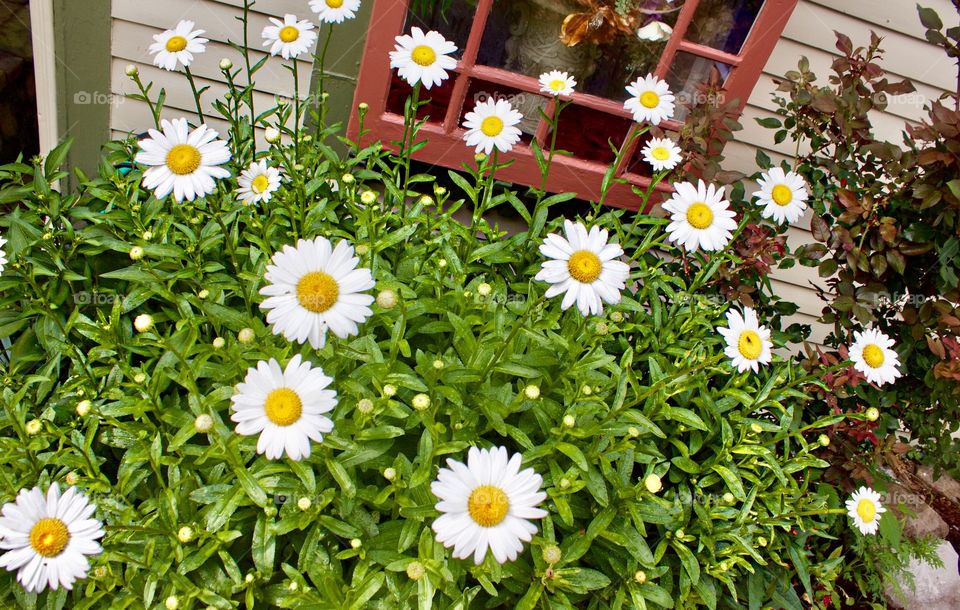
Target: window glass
<point x="585" y="132"/>
<point x="687" y="77"/>
<point x="452" y="18"/>
<point x="437" y="98"/>
<point x="600" y="47"/>
<point x="723" y="24"/>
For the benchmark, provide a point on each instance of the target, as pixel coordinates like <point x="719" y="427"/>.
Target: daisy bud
<point x="532" y="392"/>
<point x="633" y="431"/>
<point x="756" y="428"/>
<point x="824" y="440"/>
<point x="653" y="483"/>
<point x="569" y="421"/>
<point x="680" y="534"/>
<point x="442" y="263"/>
<point x="762" y="541"/>
<point x="143" y="323"/>
<point x="356" y="543"/>
<point x="100" y="571"/>
<point x="226" y="64"/>
<point x="131" y="70"/>
<point x="602" y="329"/>
<point x="363" y="107"/>
<point x="185" y="534"/>
<point x="139" y="378"/>
<point x="640" y="576"/>
<point x="587" y="390"/>
<point x="348" y="179"/>
<point x="147" y="235"/>
<point x="387" y="299"/>
<point x="564" y="483"/>
<point x="389" y="474"/>
<point x="421" y="402"/>
<point x="248" y="578"/>
<point x="83" y="408"/>
<point x="34" y="426"/>
<point x="440" y="191"/>
<point x="293" y="586"/>
<point x="426" y="200"/>
<point x="873" y="414"/>
<point x="246" y="335"/>
<point x="136" y="253"/>
<point x="480" y="157"/>
<point x="415" y="570"/>
<point x="203" y="423"/>
<point x="203" y="294"/>
<point x="467" y="294"/>
<point x="365" y="406"/>
<point x="272" y="135"/>
<point x="304" y="503"/>
<point x="484" y="289"/>
<point x="362" y="249"/>
<point x="270" y="511"/>
<point x="438" y="364"/>
<point x="552" y="554"/>
<point x="728" y="498"/>
<point x="616" y="316"/>
<point x="71" y="478"/>
<point x="219" y="342"/>
<point x="171" y="603"/>
<point x="368" y="197"/>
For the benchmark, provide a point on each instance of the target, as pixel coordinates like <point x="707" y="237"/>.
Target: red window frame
<point x="445" y="139"/>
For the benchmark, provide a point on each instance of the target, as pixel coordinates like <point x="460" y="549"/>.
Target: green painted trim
<point x="342" y="64"/>
<point x="82" y="31"/>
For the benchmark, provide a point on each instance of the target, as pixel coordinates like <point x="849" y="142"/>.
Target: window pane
<point x="584" y="132"/>
<point x="524" y="36"/>
<point x="526" y="103"/>
<point x="437" y="98"/>
<point x="687" y="76"/>
<point x="452" y="18"/>
<point x="723" y="24"/>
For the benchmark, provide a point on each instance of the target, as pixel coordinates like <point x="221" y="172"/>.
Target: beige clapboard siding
<point x="810" y="33"/>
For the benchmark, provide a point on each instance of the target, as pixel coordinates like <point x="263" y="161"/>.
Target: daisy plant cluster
<point x="254" y="370"/>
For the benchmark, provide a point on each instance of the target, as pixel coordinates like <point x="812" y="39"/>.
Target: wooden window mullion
<point x="469" y="59"/>
<point x="684" y="19"/>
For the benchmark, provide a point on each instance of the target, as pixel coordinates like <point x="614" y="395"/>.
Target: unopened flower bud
<point x="348" y="179"/>
<point x="640" y="576"/>
<point x="272" y="135"/>
<point x="143" y="322"/>
<point x="415" y="570"/>
<point x="293" y="586"/>
<point x="362" y="249"/>
<point x="219" y="342"/>
<point x="246" y="335"/>
<point x="389" y="473"/>
<point x="633" y="431"/>
<point x="171" y="603"/>
<point x="587" y="390"/>
<point x="34" y="426"/>
<point x="363" y="107"/>
<point x="203" y="423"/>
<point x="71" y="478"/>
<point x="147" y="235"/>
<point x="552" y="554"/>
<point x="421" y="402"/>
<point x="136" y="253"/>
<point x="368" y="197"/>
<point x="756" y="428"/>
<point x="131" y="70"/>
<point x="442" y="263"/>
<point x="203" y="294"/>
<point x="304" y="503"/>
<point x="356" y="543"/>
<point x="365" y="406"/>
<point x="185" y="534"/>
<point x="824" y="440"/>
<point x="387" y="299"/>
<point x="653" y="483"/>
<point x="616" y="316"/>
<point x="484" y="289"/>
<point x="873" y="414"/>
<point x="569" y="421"/>
<point x="532" y="392"/>
<point x="83" y="408"/>
<point x="226" y="64"/>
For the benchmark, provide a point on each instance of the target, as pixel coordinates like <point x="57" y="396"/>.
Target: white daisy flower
<point x="3" y="254"/>
<point x="872" y="354"/>
<point x="335" y="11"/>
<point x="748" y="343"/>
<point x="492" y="124"/>
<point x="662" y="154"/>
<point x="557" y="83"/>
<point x="651" y="100"/>
<point x="285" y="407"/>
<point x="423" y="58"/>
<point x="289" y="38"/>
<point x="584" y="267"/>
<point x="487" y="503"/>
<point x="701" y="217"/>
<point x="314" y="287"/>
<point x="783" y="195"/>
<point x="258" y="182"/>
<point x="182" y="162"/>
<point x="865" y="509"/>
<point x="177" y="45"/>
<point x="48" y="538"/>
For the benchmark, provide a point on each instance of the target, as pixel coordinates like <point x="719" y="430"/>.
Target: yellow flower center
<point x="283" y="407"/>
<point x="558" y="85"/>
<point x="334" y="3"/>
<point x="750" y="345"/>
<point x="488" y="505"/>
<point x="423" y="55"/>
<point x="317" y="291"/>
<point x="782" y="195"/>
<point x="49" y="537"/>
<point x="260" y="184"/>
<point x="660" y="153"/>
<point x="183" y="159"/>
<point x="873" y="356"/>
<point x="492" y="126"/>
<point x="584" y="266"/>
<point x="867" y="510"/>
<point x="649" y="99"/>
<point x="700" y="216"/>
<point x="176" y="44"/>
<point x="289" y="34"/>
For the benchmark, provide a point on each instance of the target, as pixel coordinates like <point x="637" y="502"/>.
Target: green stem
<point x="296" y="111"/>
<point x="321" y="102"/>
<point x="246" y="58"/>
<point x="196" y="95"/>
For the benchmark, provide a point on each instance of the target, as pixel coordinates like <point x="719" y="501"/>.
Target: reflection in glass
<point x="437" y="99"/>
<point x="723" y="24"/>
<point x="524" y="36"/>
<point x="452" y="18"/>
<point x="686" y="78"/>
<point x="585" y="132"/>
